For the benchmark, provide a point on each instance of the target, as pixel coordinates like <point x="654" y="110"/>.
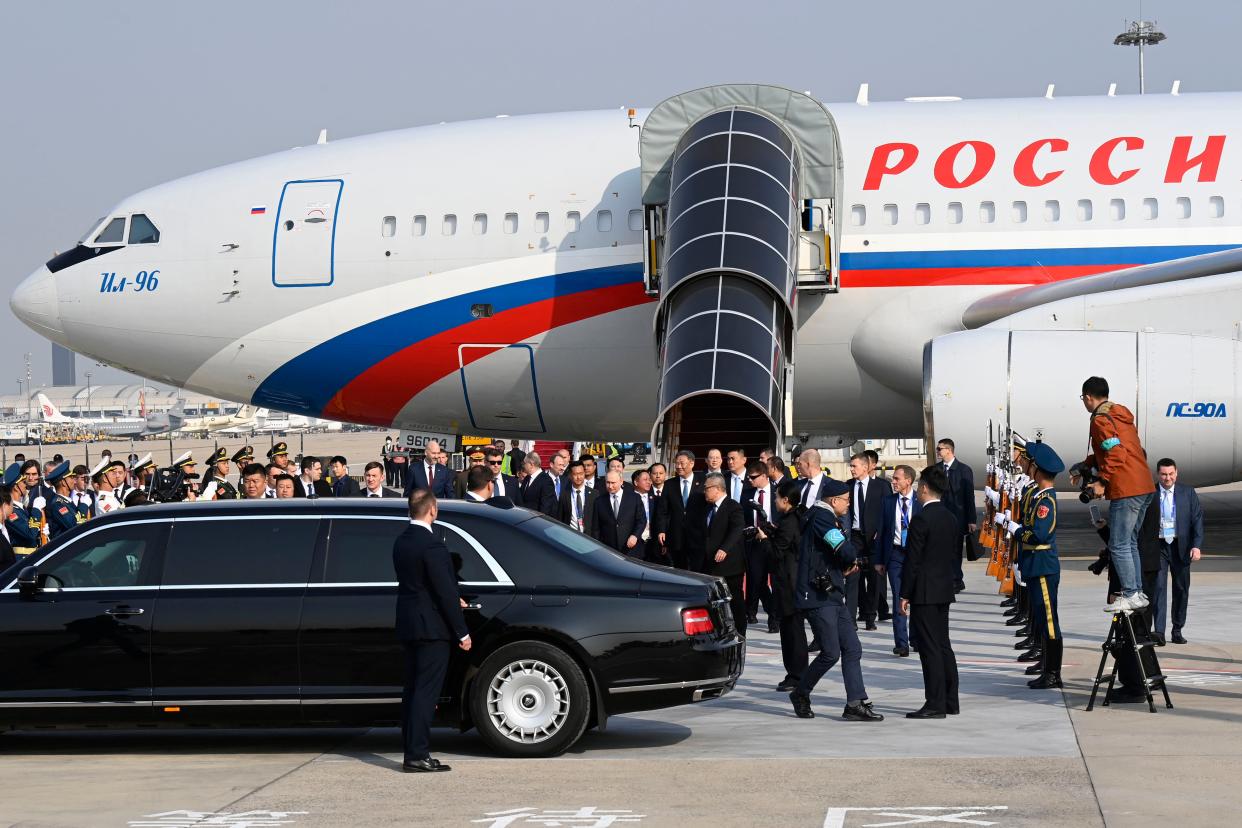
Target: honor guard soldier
<point x="141" y="472"/>
<point x="243" y="457"/>
<point x="215" y="483"/>
<point x="278" y="455"/>
<point x="106" y="476"/>
<point x="61" y="516"/>
<point x="82" y="497"/>
<point x="1042" y="571"/>
<point x="23" y="538"/>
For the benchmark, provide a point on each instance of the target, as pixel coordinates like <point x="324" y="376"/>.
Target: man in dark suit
<point x="866" y="514"/>
<point x="7" y="556"/>
<point x="503" y="485"/>
<point x="889" y="559"/>
<point x="537" y="491"/>
<point x="578" y="500"/>
<point x="429" y="620"/>
<point x="342" y="484"/>
<point x="684" y="500"/>
<point x="460" y="484"/>
<point x="517" y="457"/>
<point x="1181" y="536"/>
<point x="927" y="587"/>
<point x="619" y="518"/>
<point x="959" y="498"/>
<point x="429" y="474"/>
<point x="373" y="477"/>
<point x="310" y="483"/>
<point x="813" y="476"/>
<point x="724" y="553"/>
<point x="654" y="518"/>
<point x="758" y="511"/>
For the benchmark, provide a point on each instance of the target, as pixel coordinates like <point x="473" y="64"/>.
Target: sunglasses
<point x="754" y="476"/>
<point x="495" y="462"/>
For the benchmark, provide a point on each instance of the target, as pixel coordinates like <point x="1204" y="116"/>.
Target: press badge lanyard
<point x="1168" y="524"/>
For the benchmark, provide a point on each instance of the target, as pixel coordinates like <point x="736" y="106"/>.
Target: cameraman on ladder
<point x="1121" y="475"/>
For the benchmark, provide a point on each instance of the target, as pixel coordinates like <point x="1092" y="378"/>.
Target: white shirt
<point x="425" y="524"/>
<point x="375" y="492"/>
<point x="684" y="486"/>
<point x="897" y="516"/>
<point x="475" y="498"/>
<point x="576" y="496"/>
<point x="499" y="482"/>
<point x="811" y="496"/>
<point x="858" y="501"/>
<point x="646" y="499"/>
<point x="766" y="505"/>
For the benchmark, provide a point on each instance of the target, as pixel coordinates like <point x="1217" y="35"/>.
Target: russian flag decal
<point x="257" y="211"/>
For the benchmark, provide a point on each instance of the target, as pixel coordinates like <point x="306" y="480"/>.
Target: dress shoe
<point x="953" y="711"/>
<point x="871" y="627"/>
<point x="924" y="713"/>
<point x="1157" y="639"/>
<point x="813" y="647"/>
<point x="773" y="626"/>
<point x="752" y="619"/>
<point x="1015" y="621"/>
<point x="427" y="765"/>
<point x="1035" y="669"/>
<point x="801" y="705"/>
<point x="959" y="586"/>
<point x="1024" y="644"/>
<point x="914" y="648"/>
<point x="1011" y="612"/>
<point x="1177" y="637"/>
<point x="1046" y="681"/>
<point x="787" y="687"/>
<point x="902" y="652"/>
<point x="861" y="712"/>
<point x="1033" y="654"/>
<point x="1009" y="602"/>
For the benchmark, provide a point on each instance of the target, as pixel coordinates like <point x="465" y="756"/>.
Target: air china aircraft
<point x="739" y="265"/>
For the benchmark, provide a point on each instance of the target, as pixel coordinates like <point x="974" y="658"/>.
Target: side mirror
<point x="28" y="581"/>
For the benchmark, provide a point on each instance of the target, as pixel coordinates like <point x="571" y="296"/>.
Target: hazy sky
<point x="101" y="99"/>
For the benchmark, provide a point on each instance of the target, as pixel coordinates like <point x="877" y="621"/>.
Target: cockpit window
<point x="83" y="238"/>
<point x="142" y="231"/>
<point x="114" y="233"/>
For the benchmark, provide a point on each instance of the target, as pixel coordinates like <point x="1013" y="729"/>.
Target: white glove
<point x="1014" y="528"/>
<point x="992" y="495"/>
<point x="1001" y="519"/>
<point x="39" y="502"/>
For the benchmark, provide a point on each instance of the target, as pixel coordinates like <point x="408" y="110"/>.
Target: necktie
<point x="905" y="521"/>
<point x="737" y="488"/>
<point x="556" y="483"/>
<point x="578" y="509"/>
<point x="711" y="513"/>
<point x="372" y="494"/>
<point x="431" y="475"/>
<point x="858" y="505"/>
<point x="685" y="491"/>
<point x="760" y="507"/>
<point x="616" y="505"/>
<point x="500" y="485"/>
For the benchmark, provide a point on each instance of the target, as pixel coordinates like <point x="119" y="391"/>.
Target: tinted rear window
<point x="231" y="551"/>
<point x="360" y="551"/>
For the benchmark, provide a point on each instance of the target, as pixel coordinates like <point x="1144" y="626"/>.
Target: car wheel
<point x="530" y="699"/>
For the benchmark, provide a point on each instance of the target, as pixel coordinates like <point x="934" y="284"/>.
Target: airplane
<point x="145" y="426"/>
<point x="245" y="419"/>
<point x="741" y="264"/>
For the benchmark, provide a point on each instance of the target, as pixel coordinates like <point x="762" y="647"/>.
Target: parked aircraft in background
<point x="135" y="427"/>
<point x="244" y="420"/>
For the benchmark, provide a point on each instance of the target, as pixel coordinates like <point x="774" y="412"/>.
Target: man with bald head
<point x="619" y="517"/>
<point x="811" y="469"/>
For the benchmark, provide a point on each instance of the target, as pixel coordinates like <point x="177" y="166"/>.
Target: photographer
<point x="1122" y="477"/>
<point x="825" y="559"/>
<point x="784" y="538"/>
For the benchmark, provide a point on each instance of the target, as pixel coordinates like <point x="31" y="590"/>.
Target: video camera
<point x="168" y="485"/>
<point x="1087" y="475"/>
<point x="765" y="523"/>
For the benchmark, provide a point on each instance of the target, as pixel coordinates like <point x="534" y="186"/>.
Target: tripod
<point x="1121" y="638"/>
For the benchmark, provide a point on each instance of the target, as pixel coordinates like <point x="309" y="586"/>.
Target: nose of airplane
<point x="35" y="303"/>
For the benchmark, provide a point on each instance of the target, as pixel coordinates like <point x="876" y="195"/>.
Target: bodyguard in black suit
<point x="7" y="556"/>
<point x="927" y="590"/>
<point x="429" y="620"/>
<point x="683" y="497"/>
<point x="537" y="490"/>
<point x="959" y="497"/>
<point x="619" y="518"/>
<point x="866" y="516"/>
<point x="427" y="475"/>
<point x="889" y="558"/>
<point x="503" y="485"/>
<point x="578" y="500"/>
<point x="758" y="510"/>
<point x="724" y="553"/>
<point x="653" y="519"/>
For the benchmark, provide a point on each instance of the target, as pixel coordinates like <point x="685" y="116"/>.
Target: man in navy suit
<point x="538" y="493"/>
<point x="959" y="498"/>
<point x="619" y="518"/>
<point x="683" y="497"/>
<point x="898" y="510"/>
<point x="503" y="485"/>
<point x="814" y="476"/>
<point x="429" y="620"/>
<point x="430" y="474"/>
<point x="1181" y="536"/>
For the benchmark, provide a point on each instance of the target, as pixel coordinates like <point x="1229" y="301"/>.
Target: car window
<point x="360" y="551"/>
<point x="112" y="557"/>
<point x="230" y="551"/>
<point x="467" y="562"/>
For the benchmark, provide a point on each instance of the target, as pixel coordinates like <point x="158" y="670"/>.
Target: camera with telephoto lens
<point x="768" y="527"/>
<point x="1087" y="475"/>
<point x="1100" y="564"/>
<point x="168" y="486"/>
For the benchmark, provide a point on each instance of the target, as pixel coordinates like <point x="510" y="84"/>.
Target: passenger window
<point x="1117" y="209"/>
<point x="1151" y="209"/>
<point x="480" y="223"/>
<point x="449" y="227"/>
<point x="1183" y="207"/>
<point x="420" y="226"/>
<point x="142" y="231"/>
<point x="1085" y="209"/>
<point x="541" y="222"/>
<point x="360" y="551"/>
<point x="956" y="213"/>
<point x="114" y="233"/>
<point x="890" y="214"/>
<point x="987" y="212"/>
<point x="1019" y="212"/>
<point x="1216" y="206"/>
<point x="1052" y="210"/>
<point x="573" y="221"/>
<point x="858" y="215"/>
<point x="389" y="227"/>
<point x="636" y="220"/>
<point x="467" y="563"/>
<point x="119" y="556"/>
<point x="511" y="223"/>
<point x="603" y="221"/>
<point x="922" y="213"/>
<point x="230" y="552"/>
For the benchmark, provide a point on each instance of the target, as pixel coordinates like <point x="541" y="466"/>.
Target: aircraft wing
<point x="999" y="305"/>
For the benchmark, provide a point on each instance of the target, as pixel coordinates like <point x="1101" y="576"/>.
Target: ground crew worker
<point x="61" y="516"/>
<point x="1043" y="567"/>
<point x="23" y="538"/>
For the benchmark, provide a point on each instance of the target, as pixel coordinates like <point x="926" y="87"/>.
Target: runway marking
<point x="836" y="817"/>
<point x="584" y="817"/>
<point x="1202" y="678"/>
<point x="245" y="819"/>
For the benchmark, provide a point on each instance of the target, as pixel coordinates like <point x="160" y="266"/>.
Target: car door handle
<point x="122" y="612"/>
<point x="473" y="605"/>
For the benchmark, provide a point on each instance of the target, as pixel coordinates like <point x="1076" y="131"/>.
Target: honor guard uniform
<point x="215" y="483"/>
<point x="106" y="500"/>
<point x="61" y="516"/>
<point x="243" y="457"/>
<point x="279" y="454"/>
<point x="142" y="466"/>
<point x="1042" y="570"/>
<point x="21" y="536"/>
<point x="83" y="499"/>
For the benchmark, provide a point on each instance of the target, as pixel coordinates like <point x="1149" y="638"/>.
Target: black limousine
<point x="281" y="613"/>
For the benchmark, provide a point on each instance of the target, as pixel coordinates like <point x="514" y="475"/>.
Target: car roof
<point x="300" y="506"/>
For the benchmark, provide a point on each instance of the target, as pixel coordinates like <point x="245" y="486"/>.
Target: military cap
<point x="477" y="454"/>
<point x="277" y="450"/>
<point x="105" y="464"/>
<point x="144" y="462"/>
<point x="243" y="454"/>
<point x="1044" y="457"/>
<point x="11" y="474"/>
<point x="833" y="488"/>
<point x="57" y="473"/>
<point x="185" y="461"/>
<point x="219" y="454"/>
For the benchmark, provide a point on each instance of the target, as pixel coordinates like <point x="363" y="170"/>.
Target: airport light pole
<point x="1140" y="33"/>
<point x="88" y="393"/>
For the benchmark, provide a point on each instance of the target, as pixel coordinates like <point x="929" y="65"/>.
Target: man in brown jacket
<point x="1125" y="480"/>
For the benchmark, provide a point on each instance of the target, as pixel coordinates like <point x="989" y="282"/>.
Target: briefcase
<point x="972" y="548"/>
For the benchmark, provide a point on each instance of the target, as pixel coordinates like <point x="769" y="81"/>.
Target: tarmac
<point x="1014" y="757"/>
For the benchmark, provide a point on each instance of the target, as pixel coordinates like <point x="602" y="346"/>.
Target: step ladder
<point x="1122" y="638"/>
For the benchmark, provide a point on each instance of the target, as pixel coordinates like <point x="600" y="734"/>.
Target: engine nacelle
<point x="1183" y="390"/>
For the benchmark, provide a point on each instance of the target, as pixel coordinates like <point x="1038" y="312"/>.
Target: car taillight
<point x="696" y="622"/>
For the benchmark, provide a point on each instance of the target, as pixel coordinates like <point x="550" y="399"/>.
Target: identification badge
<point x="834" y="537"/>
<point x="1168" y="529"/>
<point x="904" y="534"/>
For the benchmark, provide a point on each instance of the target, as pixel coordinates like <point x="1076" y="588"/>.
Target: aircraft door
<point x="304" y="241"/>
<point x="501" y="391"/>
